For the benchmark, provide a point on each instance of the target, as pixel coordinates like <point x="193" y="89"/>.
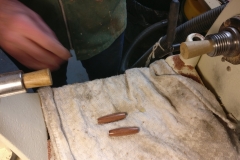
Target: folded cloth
<point x="178" y="118"/>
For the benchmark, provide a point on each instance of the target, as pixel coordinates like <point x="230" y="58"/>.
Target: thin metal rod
<point x="66" y="24"/>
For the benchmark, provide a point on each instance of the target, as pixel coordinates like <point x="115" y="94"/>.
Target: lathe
<point x="213" y="61"/>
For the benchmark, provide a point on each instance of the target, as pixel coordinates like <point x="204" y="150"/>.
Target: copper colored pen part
<point x="123" y="131"/>
<point x="112" y="117"/>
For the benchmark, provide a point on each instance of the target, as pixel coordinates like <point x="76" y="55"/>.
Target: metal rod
<point x="11" y="83"/>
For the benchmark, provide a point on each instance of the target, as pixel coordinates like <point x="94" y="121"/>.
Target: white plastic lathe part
<point x="192" y="61"/>
<point x="5" y="152"/>
<point x="22" y="126"/>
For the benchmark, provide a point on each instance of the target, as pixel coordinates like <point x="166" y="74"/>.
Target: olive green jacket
<point x="93" y="24"/>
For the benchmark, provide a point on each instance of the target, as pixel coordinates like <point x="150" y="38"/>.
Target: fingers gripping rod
<point x="16" y="82"/>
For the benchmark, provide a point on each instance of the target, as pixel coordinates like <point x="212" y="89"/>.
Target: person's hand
<point x="25" y="36"/>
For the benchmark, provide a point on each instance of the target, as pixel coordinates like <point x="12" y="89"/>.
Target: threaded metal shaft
<point x="225" y="43"/>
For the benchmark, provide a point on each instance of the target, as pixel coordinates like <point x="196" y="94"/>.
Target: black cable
<point x="198" y="24"/>
<point x="145" y="33"/>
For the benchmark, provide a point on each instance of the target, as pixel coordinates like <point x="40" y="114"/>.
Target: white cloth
<point x="174" y="114"/>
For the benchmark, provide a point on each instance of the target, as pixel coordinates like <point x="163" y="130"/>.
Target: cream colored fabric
<point x="174" y="114"/>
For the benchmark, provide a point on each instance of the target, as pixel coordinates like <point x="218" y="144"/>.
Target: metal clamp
<point x="11" y="83"/>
